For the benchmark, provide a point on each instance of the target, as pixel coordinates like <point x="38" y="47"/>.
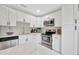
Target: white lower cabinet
<point x="35" y="38"/>
<point x="56" y="42"/>
<point x="30" y="38"/>
<point x="23" y="39"/>
<point x="13" y="43"/>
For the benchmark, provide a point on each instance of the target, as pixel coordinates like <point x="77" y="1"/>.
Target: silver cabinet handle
<point x="75" y="27"/>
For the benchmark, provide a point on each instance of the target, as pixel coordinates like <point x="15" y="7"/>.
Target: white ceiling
<point x="35" y="9"/>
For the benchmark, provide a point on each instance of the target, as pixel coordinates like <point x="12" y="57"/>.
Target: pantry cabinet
<point x="68" y="29"/>
<point x="76" y="19"/>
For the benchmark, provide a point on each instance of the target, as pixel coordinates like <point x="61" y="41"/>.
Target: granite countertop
<point x="1" y="36"/>
<point x="7" y="36"/>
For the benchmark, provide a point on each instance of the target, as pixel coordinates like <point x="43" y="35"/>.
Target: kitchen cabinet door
<point x="27" y="18"/>
<point x="56" y="43"/>
<point x="3" y="15"/>
<point x="19" y="16"/>
<point x="12" y="17"/>
<point x="68" y="29"/>
<point x="58" y="18"/>
<point x="38" y="38"/>
<point x="33" y="22"/>
<point x="23" y="39"/>
<point x="37" y="22"/>
<point x="76" y="19"/>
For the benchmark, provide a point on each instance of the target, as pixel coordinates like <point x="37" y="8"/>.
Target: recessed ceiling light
<point x="37" y="11"/>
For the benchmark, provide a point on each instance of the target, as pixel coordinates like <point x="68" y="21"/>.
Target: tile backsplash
<point x="5" y="29"/>
<point x="23" y="28"/>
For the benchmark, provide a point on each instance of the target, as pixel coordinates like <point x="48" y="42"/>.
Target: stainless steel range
<point x="47" y="40"/>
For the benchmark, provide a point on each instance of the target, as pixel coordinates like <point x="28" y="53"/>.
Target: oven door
<point x="46" y="39"/>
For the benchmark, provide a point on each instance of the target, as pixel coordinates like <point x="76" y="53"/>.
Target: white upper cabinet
<point x="21" y="16"/>
<point x="33" y="21"/>
<point x="12" y="17"/>
<point x="58" y="18"/>
<point x="7" y="15"/>
<point x="3" y="15"/>
<point x="39" y="22"/>
<point x="68" y="29"/>
<point x="36" y="22"/>
<point x="27" y="18"/>
<point x="68" y="15"/>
